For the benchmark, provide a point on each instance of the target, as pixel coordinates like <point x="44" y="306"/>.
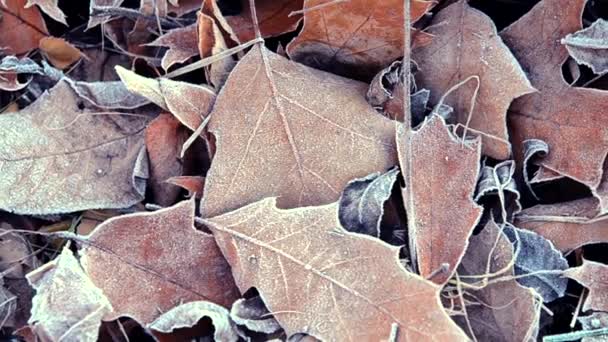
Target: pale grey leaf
<point x="253" y="314"/>
<point x="596" y="320"/>
<point x="590" y="46"/>
<point x="533" y="148"/>
<point x="109" y="95"/>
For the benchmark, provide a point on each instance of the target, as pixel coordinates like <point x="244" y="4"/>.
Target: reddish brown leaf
<point x="465" y="45"/>
<point x="49" y="7"/>
<point x="444" y="213"/>
<point x="327" y="282"/>
<point x="563" y="116"/>
<point x="21" y="27"/>
<point x="211" y="42"/>
<point x="59" y="52"/>
<point x="181" y="43"/>
<point x="594" y="276"/>
<point x="287" y="130"/>
<point x="155" y="261"/>
<point x="194" y="184"/>
<point x="352" y="37"/>
<point x="273" y="17"/>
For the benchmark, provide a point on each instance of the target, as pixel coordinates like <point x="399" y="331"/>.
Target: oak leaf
<point x="594" y="276"/>
<point x="589" y="46"/>
<point x="466" y="44"/>
<point x="21" y="27"/>
<point x="283" y="129"/>
<point x="156" y="260"/>
<point x="327" y="282"/>
<point x="273" y="17"/>
<point x="181" y="43"/>
<point x="50" y="7"/>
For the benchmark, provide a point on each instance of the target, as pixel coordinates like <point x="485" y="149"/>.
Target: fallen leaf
<point x="283" y="129"/>
<point x="190" y="103"/>
<point x="564" y="117"/>
<point x="595" y="320"/>
<point x="535" y="255"/>
<point x="594" y="276"/>
<point x="21" y="27"/>
<point x="355" y="37"/>
<point x="95" y="20"/>
<point x="466" y="44"/>
<point x="11" y="66"/>
<point x="156" y="260"/>
<point x="362" y="202"/>
<point x="253" y="314"/>
<point x="59" y="157"/>
<point x="211" y="42"/>
<point x="194" y="184"/>
<point x="67" y="305"/>
<point x="327" y="282"/>
<point x="497" y="310"/>
<point x="498" y="181"/>
<point x="181" y="43"/>
<point x="108" y="95"/>
<point x="589" y="46"/>
<point x="50" y="7"/>
<point x="273" y="17"/>
<point x="60" y="53"/>
<point x="443" y="212"/>
<point x="567" y="225"/>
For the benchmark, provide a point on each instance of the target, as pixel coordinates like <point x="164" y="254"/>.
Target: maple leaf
<point x="182" y="44"/>
<point x="441" y="206"/>
<point x="59" y="156"/>
<point x="156" y="260"/>
<point x="594" y="276"/>
<point x="50" y="7"/>
<point x="286" y="130"/>
<point x="352" y="37"/>
<point x="588" y="46"/>
<point x="21" y="27"/>
<point x="564" y="117"/>
<point x="465" y="44"/>
<point x="273" y="17"/>
<point x="327" y="282"/>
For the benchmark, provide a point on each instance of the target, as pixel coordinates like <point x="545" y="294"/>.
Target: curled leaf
<point x="589" y="46"/>
<point x="594" y="276"/>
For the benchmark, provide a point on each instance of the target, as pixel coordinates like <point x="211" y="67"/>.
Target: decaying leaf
<point x="156" y="260"/>
<point x="354" y="37"/>
<point x="253" y="314"/>
<point x="497" y="309"/>
<point x="564" y="117"/>
<point x="61" y="156"/>
<point x="443" y="211"/>
<point x="273" y="17"/>
<point x="362" y="202"/>
<point x="50" y="7"/>
<point x="327" y="282"/>
<point x="60" y="53"/>
<point x="67" y="305"/>
<point x="590" y="46"/>
<point x="467" y="48"/>
<point x="594" y="276"/>
<point x="182" y="44"/>
<point x="535" y="255"/>
<point x="567" y="225"/>
<point x="21" y="27"/>
<point x="286" y="130"/>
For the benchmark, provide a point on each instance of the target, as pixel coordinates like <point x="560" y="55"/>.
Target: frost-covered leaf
<point x="50" y="7"/>
<point x="596" y="320"/>
<point x="273" y="17"/>
<point x="181" y="43"/>
<point x="594" y="276"/>
<point x="21" y="27"/>
<point x="253" y="314"/>
<point x="589" y="46"/>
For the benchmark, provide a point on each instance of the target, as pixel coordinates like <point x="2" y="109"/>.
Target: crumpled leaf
<point x="188" y="314"/>
<point x="11" y="66"/>
<point x="156" y="260"/>
<point x="182" y="44"/>
<point x="466" y="44"/>
<point x="362" y="202"/>
<point x="567" y="225"/>
<point x="339" y="286"/>
<point x="534" y="255"/>
<point x="59" y="52"/>
<point x="498" y="181"/>
<point x="564" y="117"/>
<point x="190" y="103"/>
<point x="595" y="320"/>
<point x="253" y="314"/>
<point x="355" y="37"/>
<point x="94" y="4"/>
<point x="441" y="206"/>
<point x="501" y="310"/>
<point x="67" y="305"/>
<point x="533" y="149"/>
<point x="594" y="276"/>
<point x="286" y="130"/>
<point x="589" y="46"/>
<point x="21" y="27"/>
<point x="50" y="7"/>
<point x="57" y="158"/>
<point x="273" y="17"/>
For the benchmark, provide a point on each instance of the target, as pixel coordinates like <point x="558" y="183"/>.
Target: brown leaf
<point x="273" y="17"/>
<point x="182" y="44"/>
<point x="94" y="4"/>
<point x="594" y="276"/>
<point x="21" y="27"/>
<point x="287" y="130"/>
<point x="465" y="45"/>
<point x="60" y="53"/>
<point x="564" y="117"/>
<point x="253" y="314"/>
<point x="155" y="261"/>
<point x="58" y="156"/>
<point x="194" y="184"/>
<point x="211" y="42"/>
<point x="49" y="7"/>
<point x="502" y="310"/>
<point x="67" y="305"/>
<point x="327" y="282"/>
<point x="442" y="206"/>
<point x="353" y="37"/>
<point x="588" y="46"/>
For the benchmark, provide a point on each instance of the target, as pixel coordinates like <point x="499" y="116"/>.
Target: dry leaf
<point x="596" y="320"/>
<point x="465" y="45"/>
<point x="502" y="310"/>
<point x="594" y="276"/>
<point x="49" y="7"/>
<point x="108" y="95"/>
<point x="60" y="53"/>
<point x="327" y="282"/>
<point x="590" y="46"/>
<point x="21" y="27"/>
<point x="498" y="181"/>
<point x="354" y="37"/>
<point x="194" y="184"/>
<point x="568" y="225"/>
<point x="253" y="314"/>
<point x="156" y="260"/>
<point x="190" y="103"/>
<point x="57" y="158"/>
<point x="211" y="42"/>
<point x="273" y="17"/>
<point x="182" y="44"/>
<point x="11" y="66"/>
<point x="444" y="213"/>
<point x="287" y="130"/>
<point x="67" y="305"/>
<point x="564" y="117"/>
<point x="94" y="5"/>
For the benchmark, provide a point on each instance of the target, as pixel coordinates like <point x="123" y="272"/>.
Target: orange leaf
<point x="59" y="52"/>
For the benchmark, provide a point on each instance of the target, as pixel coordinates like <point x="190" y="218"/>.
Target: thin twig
<point x="575" y="336"/>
